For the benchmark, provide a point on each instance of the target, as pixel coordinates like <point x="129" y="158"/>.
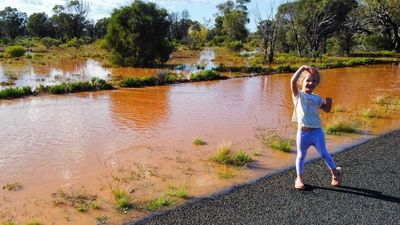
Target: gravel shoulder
<point x="370" y="194"/>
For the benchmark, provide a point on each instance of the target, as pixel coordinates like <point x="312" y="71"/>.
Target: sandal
<point x="337" y="180"/>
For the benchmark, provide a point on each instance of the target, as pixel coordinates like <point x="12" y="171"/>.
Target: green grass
<point x="369" y="113"/>
<point x="160" y="79"/>
<point x="205" y="75"/>
<point x="198" y="141"/>
<point x="122" y="200"/>
<point x="94" y="85"/>
<point x="271" y="139"/>
<point x="179" y="192"/>
<point x="338" y="108"/>
<point x="15" y="92"/>
<point x="159" y="203"/>
<point x="226" y="156"/>
<point x="225" y="172"/>
<point x="8" y="222"/>
<point x="33" y="221"/>
<point x="339" y="125"/>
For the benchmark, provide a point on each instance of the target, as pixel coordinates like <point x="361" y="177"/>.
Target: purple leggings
<point x="315" y="138"/>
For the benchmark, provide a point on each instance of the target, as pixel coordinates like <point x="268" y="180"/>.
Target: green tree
<point x="386" y="13"/>
<point x="137" y="35"/>
<point x="39" y="25"/>
<point x="100" y="28"/>
<point x="234" y="25"/>
<point x="197" y="35"/>
<point x="318" y="20"/>
<point x="232" y="20"/>
<point x="12" y="23"/>
<point x="180" y="24"/>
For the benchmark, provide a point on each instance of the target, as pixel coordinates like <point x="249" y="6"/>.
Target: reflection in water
<point x="64" y="140"/>
<point x="205" y="62"/>
<point x="29" y="75"/>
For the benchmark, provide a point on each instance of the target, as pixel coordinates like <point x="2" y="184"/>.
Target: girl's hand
<point x="327" y="105"/>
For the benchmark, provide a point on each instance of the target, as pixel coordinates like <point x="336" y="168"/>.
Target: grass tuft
<point x="13" y="186"/>
<point x="271" y="139"/>
<point x="159" y="203"/>
<point x="179" y="192"/>
<point x="122" y="200"/>
<point x="78" y="199"/>
<point x="198" y="141"/>
<point x="226" y="156"/>
<point x="339" y="125"/>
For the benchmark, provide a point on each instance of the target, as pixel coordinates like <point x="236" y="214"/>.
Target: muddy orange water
<point x="141" y="139"/>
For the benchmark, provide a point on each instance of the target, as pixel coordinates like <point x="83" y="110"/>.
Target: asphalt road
<point x="370" y="194"/>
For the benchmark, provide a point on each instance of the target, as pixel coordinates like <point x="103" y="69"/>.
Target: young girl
<point x="310" y="133"/>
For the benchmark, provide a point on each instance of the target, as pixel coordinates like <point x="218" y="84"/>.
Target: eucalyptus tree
<point x="197" y="35"/>
<point x="138" y="35"/>
<point x="357" y="22"/>
<point x="12" y="23"/>
<point x="386" y="13"/>
<point x="100" y="28"/>
<point x="232" y="19"/>
<point x="318" y="20"/>
<point x="180" y="23"/>
<point x="39" y="25"/>
<point x="70" y="20"/>
<point x="289" y="31"/>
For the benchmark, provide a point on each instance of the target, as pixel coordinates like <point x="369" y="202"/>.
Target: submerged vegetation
<point x="13" y="186"/>
<point x="226" y="156"/>
<point x="94" y="85"/>
<point x="272" y="139"/>
<point x="78" y="199"/>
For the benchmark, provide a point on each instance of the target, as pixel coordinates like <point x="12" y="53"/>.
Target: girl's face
<point x="310" y="82"/>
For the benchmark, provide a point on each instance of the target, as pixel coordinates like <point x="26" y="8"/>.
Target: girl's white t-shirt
<point x="306" y="110"/>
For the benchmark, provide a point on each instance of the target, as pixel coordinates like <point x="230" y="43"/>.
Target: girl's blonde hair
<point x="314" y="71"/>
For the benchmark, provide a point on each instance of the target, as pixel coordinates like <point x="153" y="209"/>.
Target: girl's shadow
<point x="356" y="191"/>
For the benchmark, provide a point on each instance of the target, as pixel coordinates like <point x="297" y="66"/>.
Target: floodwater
<point x="141" y="139"/>
<point x="34" y="75"/>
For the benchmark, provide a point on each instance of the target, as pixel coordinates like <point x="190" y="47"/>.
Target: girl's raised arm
<point x="295" y="77"/>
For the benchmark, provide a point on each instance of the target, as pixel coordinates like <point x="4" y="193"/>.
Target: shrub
<point x="205" y="75"/>
<point x="50" y="42"/>
<point x="15" y="92"/>
<point x="15" y="51"/>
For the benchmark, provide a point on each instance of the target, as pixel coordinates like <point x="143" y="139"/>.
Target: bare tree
<point x="267" y="29"/>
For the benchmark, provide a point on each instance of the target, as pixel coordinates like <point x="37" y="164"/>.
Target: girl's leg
<point x="302" y="145"/>
<point x="320" y="145"/>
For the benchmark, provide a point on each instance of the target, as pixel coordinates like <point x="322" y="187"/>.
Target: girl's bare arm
<point x="295" y="77"/>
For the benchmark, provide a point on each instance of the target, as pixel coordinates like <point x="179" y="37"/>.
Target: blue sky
<point x="199" y="10"/>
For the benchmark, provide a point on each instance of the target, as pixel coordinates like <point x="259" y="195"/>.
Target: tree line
<point x="143" y="34"/>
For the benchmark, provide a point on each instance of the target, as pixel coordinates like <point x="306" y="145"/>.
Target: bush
<point x="50" y="42"/>
<point x="15" y="92"/>
<point x="15" y="51"/>
<point x="235" y="45"/>
<point x="205" y="75"/>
